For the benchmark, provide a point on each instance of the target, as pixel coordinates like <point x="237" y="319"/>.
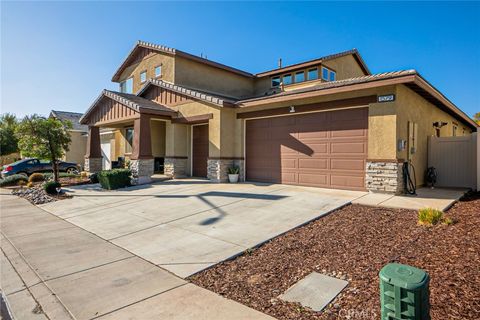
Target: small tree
<point x="8" y="140"/>
<point x="44" y="138"/>
<point x="476" y="118"/>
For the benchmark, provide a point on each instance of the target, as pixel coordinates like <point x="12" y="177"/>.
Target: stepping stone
<point x="315" y="291"/>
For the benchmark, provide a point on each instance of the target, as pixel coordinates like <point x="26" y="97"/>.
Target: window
<point x="328" y="75"/>
<point x="143" y="76"/>
<point x="158" y="71"/>
<point x="129" y="140"/>
<point x="287" y="79"/>
<point x="275" y="82"/>
<point x="299" y="76"/>
<point x="312" y="74"/>
<point x="127" y="86"/>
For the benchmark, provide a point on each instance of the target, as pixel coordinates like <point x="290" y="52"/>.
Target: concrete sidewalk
<point x="52" y="269"/>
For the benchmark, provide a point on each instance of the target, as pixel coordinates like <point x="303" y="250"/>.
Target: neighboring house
<point x="78" y="133"/>
<point x="327" y="122"/>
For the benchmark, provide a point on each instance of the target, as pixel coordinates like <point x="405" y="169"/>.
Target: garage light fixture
<point x="292" y="109"/>
<point x="439" y="124"/>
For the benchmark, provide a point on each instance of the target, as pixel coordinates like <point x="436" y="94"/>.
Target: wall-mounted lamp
<point x="292" y="109"/>
<point x="439" y="124"/>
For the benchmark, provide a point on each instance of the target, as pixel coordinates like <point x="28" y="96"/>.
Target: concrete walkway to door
<point x="185" y="226"/>
<point x="52" y="269"/>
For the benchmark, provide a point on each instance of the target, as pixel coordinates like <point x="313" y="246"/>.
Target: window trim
<point x="143" y="72"/>
<point x="295" y="76"/>
<point x="125" y="81"/>
<point x="155" y="71"/>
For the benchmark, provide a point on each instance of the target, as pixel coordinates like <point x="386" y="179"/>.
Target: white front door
<point x="106" y="162"/>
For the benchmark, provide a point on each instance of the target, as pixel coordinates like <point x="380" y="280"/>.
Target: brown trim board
<point x="203" y="118"/>
<point x="320" y="106"/>
<point x="175" y="157"/>
<point x="226" y="158"/>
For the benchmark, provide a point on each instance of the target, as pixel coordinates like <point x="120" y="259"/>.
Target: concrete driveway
<point x="185" y="226"/>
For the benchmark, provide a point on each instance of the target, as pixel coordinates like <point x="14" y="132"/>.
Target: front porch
<point x="148" y="137"/>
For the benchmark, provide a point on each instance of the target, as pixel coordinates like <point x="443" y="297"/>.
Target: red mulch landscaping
<point x="356" y="242"/>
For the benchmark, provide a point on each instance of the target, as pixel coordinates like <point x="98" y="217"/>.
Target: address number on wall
<point x="386" y="98"/>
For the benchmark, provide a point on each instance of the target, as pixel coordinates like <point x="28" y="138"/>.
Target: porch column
<point x="93" y="157"/>
<point x="141" y="161"/>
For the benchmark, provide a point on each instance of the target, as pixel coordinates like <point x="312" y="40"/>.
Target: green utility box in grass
<point x="404" y="293"/>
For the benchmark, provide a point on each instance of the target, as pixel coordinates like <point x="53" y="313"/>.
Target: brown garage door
<point x="324" y="149"/>
<point x="199" y="151"/>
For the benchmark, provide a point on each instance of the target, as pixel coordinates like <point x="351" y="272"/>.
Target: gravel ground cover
<point x="354" y="243"/>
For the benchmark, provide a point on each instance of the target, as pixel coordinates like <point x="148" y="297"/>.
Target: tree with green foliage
<point x="476" y="118"/>
<point x="44" y="138"/>
<point x="8" y="140"/>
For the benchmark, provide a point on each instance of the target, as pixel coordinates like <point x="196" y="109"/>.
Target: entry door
<point x="325" y="149"/>
<point x="106" y="161"/>
<point x="199" y="150"/>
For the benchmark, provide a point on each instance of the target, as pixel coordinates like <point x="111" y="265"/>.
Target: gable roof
<point x="73" y="117"/>
<point x="131" y="101"/>
<point x="194" y="94"/>
<point x="354" y="52"/>
<point x="174" y="52"/>
<point x="410" y="78"/>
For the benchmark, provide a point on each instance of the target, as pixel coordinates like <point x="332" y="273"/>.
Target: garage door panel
<point x="347" y="164"/>
<point x="313" y="163"/>
<point x="325" y="149"/>
<point x="348" y="148"/>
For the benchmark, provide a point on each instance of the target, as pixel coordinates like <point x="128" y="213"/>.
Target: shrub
<point x="114" y="179"/>
<point x="51" y="187"/>
<point x="233" y="170"/>
<point x="36" y="177"/>
<point x="83" y="174"/>
<point x="429" y="216"/>
<point x="29" y="184"/>
<point x="13" y="180"/>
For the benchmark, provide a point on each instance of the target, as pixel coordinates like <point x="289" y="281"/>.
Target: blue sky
<point x="60" y="55"/>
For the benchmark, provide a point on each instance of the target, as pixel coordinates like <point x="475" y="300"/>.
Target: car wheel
<point x="72" y="170"/>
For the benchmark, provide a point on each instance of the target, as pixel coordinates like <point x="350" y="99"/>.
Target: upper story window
<point x="328" y="75"/>
<point x="287" y="79"/>
<point x="143" y="76"/>
<point x="275" y="82"/>
<point x="127" y="86"/>
<point x="299" y="76"/>
<point x="312" y="74"/>
<point x="158" y="71"/>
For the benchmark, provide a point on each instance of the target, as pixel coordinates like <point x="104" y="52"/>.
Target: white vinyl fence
<point x="457" y="160"/>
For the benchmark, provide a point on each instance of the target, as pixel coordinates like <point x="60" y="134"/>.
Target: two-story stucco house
<point x="327" y="122"/>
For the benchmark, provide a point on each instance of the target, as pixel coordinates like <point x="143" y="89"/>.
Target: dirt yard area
<point x="355" y="242"/>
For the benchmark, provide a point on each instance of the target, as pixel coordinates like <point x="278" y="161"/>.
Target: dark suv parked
<point x="29" y="166"/>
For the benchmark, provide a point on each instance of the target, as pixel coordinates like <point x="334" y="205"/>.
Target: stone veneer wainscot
<point x="384" y="176"/>
<point x="217" y="169"/>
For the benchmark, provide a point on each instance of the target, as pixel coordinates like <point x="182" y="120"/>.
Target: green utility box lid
<point x="404" y="276"/>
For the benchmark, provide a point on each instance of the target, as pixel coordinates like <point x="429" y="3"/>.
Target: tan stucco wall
<point x="157" y="129"/>
<point x="200" y="76"/>
<point x="149" y="63"/>
<point x="346" y="67"/>
<point x="77" y="148"/>
<point x="412" y="107"/>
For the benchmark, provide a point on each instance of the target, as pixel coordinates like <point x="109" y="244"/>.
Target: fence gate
<point x="456" y="160"/>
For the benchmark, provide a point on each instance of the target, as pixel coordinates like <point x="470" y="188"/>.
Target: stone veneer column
<point x="93" y="156"/>
<point x="217" y="169"/>
<point x="175" y="167"/>
<point x="141" y="161"/>
<point x="384" y="176"/>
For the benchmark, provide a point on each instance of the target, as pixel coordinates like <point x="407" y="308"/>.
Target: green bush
<point x="13" y="180"/>
<point x="233" y="170"/>
<point x="429" y="216"/>
<point x="36" y="177"/>
<point x="114" y="179"/>
<point x="51" y="187"/>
